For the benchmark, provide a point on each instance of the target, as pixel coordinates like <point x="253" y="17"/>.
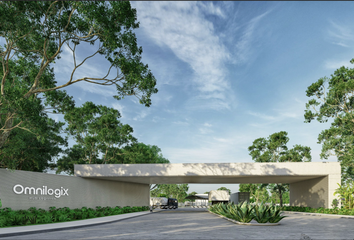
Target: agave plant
<point x="244" y="212"/>
<point x="275" y="215"/>
<point x="262" y="213"/>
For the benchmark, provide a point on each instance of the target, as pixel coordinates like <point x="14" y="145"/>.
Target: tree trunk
<point x="6" y="133"/>
<point x="280" y="198"/>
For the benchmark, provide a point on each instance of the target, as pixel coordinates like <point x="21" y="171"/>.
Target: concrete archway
<point x="311" y="184"/>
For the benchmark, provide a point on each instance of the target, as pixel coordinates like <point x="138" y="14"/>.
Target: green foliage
<point x="33" y="34"/>
<point x="246" y="212"/>
<point x="224" y="188"/>
<point x="258" y="192"/>
<point x="346" y="193"/>
<point x="339" y="211"/>
<point x="23" y="151"/>
<point x="98" y="131"/>
<point x="335" y="203"/>
<point x="178" y="191"/>
<point x="243" y="212"/>
<point x="141" y="153"/>
<point x="9" y="218"/>
<point x="334" y="99"/>
<point x="274" y="149"/>
<point x="274" y="198"/>
<point x="261" y="213"/>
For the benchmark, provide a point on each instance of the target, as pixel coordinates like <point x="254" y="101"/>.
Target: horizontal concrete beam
<point x="209" y="172"/>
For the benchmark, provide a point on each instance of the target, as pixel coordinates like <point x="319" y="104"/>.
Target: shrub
<point x="245" y="212"/>
<point x="8" y="217"/>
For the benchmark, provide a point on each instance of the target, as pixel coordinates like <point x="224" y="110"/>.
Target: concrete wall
<point x="81" y="192"/>
<point x="314" y="193"/>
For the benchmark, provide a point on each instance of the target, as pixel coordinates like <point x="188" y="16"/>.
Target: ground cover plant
<point x="245" y="212"/>
<point x="9" y="217"/>
<point x="340" y="211"/>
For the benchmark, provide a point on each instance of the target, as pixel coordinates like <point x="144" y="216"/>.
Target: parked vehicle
<point x="164" y="203"/>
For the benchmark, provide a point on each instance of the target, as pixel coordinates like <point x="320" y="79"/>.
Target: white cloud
<point x="195" y="44"/>
<point x="181" y="123"/>
<point x="243" y="47"/>
<point x="341" y="34"/>
<point x="141" y="115"/>
<point x="210" y="8"/>
<point x="333" y="64"/>
<point x="119" y="107"/>
<point x="262" y="116"/>
<point x="207" y="125"/>
<point x="205" y="129"/>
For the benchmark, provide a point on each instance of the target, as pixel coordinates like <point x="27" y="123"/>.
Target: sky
<point x="227" y="73"/>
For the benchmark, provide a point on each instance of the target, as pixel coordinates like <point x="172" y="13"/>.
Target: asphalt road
<point x="188" y="223"/>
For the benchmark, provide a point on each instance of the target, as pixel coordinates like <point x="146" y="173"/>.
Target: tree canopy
<point x="178" y="191"/>
<point x="333" y="98"/>
<point x="274" y="149"/>
<point x="34" y="34"/>
<point x="101" y="138"/>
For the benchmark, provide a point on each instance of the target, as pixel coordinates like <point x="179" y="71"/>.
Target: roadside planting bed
<point x="10" y="218"/>
<point x="338" y="211"/>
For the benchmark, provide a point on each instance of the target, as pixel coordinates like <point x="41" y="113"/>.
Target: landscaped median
<point x="244" y="213"/>
<point x="32" y="216"/>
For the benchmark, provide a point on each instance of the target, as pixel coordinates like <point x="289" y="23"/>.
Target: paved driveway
<point x="187" y="223"/>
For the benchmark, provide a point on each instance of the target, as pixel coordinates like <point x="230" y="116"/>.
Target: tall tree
<point x="334" y="99"/>
<point x="141" y="153"/>
<point x="34" y="34"/>
<point x="23" y="151"/>
<point x="97" y="131"/>
<point x="274" y="149"/>
<point x="258" y="192"/>
<point x="178" y="191"/>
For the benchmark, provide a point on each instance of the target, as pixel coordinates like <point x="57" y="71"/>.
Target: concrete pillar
<point x="315" y="193"/>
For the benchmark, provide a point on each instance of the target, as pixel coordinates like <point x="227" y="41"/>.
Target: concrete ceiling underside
<point x="209" y="179"/>
<point x="208" y="173"/>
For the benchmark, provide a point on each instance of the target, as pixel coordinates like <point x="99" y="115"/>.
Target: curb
<point x="321" y="214"/>
<point x="51" y="227"/>
<point x="248" y="224"/>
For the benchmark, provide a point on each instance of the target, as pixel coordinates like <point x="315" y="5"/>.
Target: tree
<point x="206" y="193"/>
<point x="35" y="33"/>
<point x="258" y="192"/>
<point x="248" y="187"/>
<point x="97" y="131"/>
<point x="274" y="149"/>
<point x="178" y="191"/>
<point x="346" y="194"/>
<point x="192" y="194"/>
<point x="224" y="188"/>
<point x="141" y="153"/>
<point x="23" y="151"/>
<point x="275" y="196"/>
<point x="334" y="99"/>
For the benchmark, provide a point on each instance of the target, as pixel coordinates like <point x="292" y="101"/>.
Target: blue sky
<point x="227" y="74"/>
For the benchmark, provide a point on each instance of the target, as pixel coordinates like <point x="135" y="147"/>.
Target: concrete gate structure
<point x="312" y="184"/>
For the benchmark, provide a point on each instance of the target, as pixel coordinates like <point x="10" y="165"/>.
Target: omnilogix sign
<point x="19" y="189"/>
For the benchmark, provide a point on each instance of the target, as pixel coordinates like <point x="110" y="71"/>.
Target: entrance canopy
<point x="176" y="173"/>
<point x="311" y="184"/>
